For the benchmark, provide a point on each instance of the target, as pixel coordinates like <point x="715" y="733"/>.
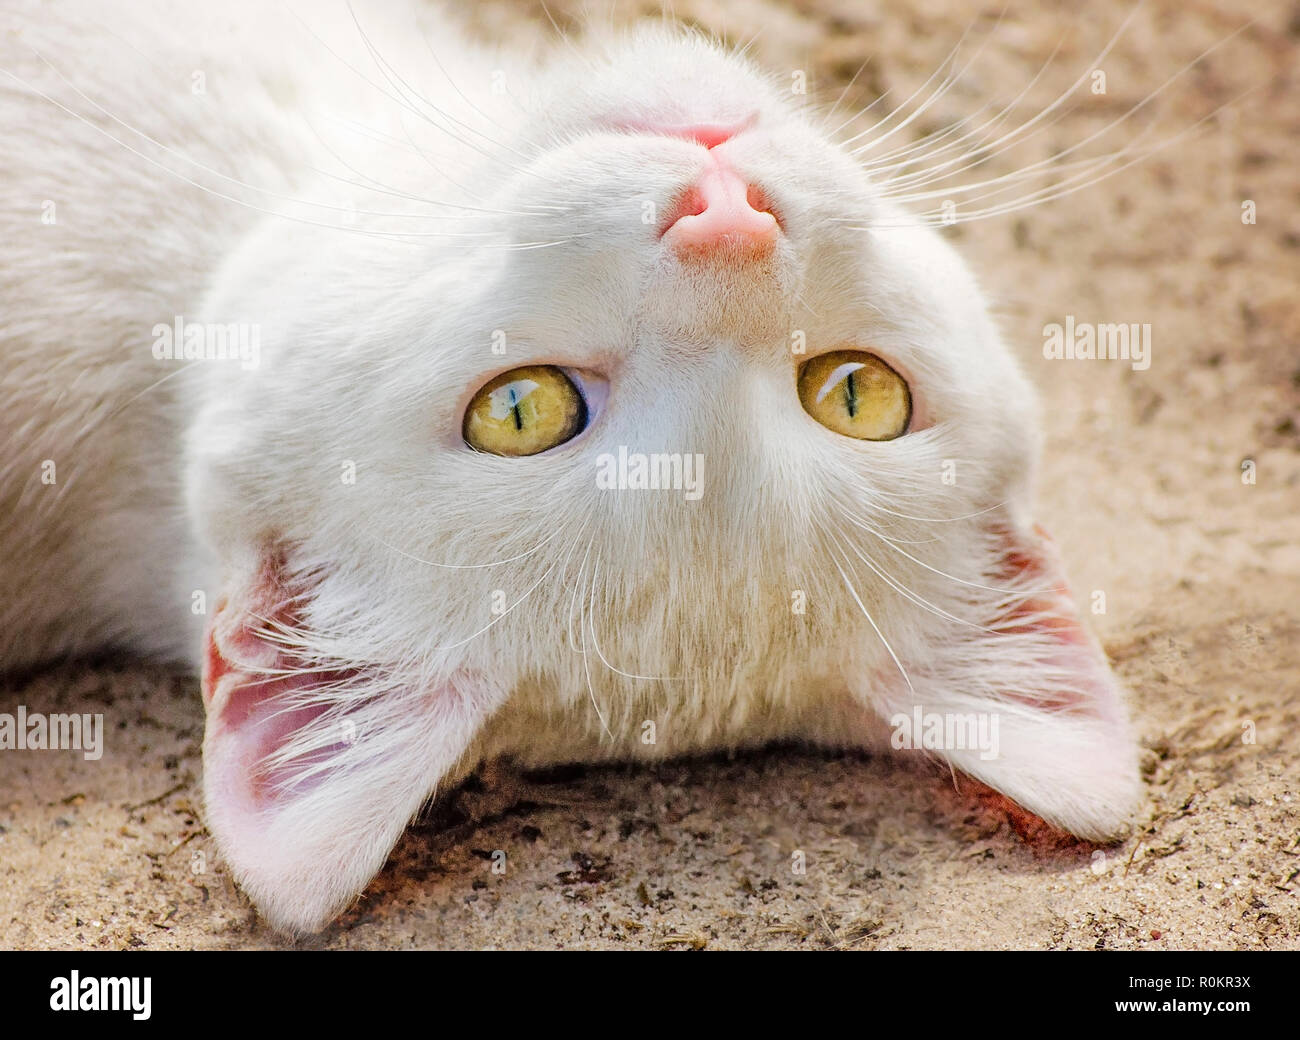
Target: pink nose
<point x="722" y="212"/>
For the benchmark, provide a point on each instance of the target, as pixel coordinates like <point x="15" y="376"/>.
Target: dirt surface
<point x="1142" y="487"/>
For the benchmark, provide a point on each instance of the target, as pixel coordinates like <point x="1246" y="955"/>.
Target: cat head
<point x="432" y="501"/>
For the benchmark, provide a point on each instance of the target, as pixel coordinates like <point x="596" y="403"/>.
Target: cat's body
<point x="101" y="242"/>
<point x="385" y="607"/>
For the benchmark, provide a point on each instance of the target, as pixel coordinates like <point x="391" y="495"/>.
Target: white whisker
<point x="848" y="583"/>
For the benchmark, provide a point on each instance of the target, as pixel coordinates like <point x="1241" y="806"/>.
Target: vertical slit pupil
<point x="514" y="406"/>
<point x="851" y="395"/>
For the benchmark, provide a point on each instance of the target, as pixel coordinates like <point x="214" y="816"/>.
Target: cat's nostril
<point x="758" y="200"/>
<point x="692" y="206"/>
<point x="721" y="213"/>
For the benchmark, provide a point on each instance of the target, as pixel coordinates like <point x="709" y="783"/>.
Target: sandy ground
<point x="1142" y="488"/>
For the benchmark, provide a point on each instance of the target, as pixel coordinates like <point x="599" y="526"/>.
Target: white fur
<point x="376" y="329"/>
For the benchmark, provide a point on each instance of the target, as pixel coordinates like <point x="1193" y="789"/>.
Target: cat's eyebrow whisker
<point x="1045" y="590"/>
<point x="573" y="646"/>
<point x="865" y="612"/>
<point x="297" y="636"/>
<point x="915" y="597"/>
<point x="586" y="667"/>
<point x="471" y="566"/>
<point x="596" y="645"/>
<point x="923" y="485"/>
<point x="505" y="613"/>
<point x="857" y="521"/>
<point x="866" y="497"/>
<point x="549" y="519"/>
<point x="940" y="519"/>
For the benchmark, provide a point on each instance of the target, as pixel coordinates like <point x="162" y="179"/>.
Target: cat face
<point x="431" y="505"/>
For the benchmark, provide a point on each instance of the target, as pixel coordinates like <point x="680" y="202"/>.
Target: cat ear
<point x="311" y="773"/>
<point x="1027" y="700"/>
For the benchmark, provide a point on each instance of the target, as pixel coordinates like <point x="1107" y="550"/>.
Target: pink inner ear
<point x="249" y="688"/>
<point x="258" y="721"/>
<point x="312" y="769"/>
<point x="1049" y="610"/>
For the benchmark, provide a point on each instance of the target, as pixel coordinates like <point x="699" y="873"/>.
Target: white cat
<point x="377" y="372"/>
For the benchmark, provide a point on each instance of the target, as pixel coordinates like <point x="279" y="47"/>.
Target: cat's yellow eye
<point x="855" y="394"/>
<point x="525" y="411"/>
